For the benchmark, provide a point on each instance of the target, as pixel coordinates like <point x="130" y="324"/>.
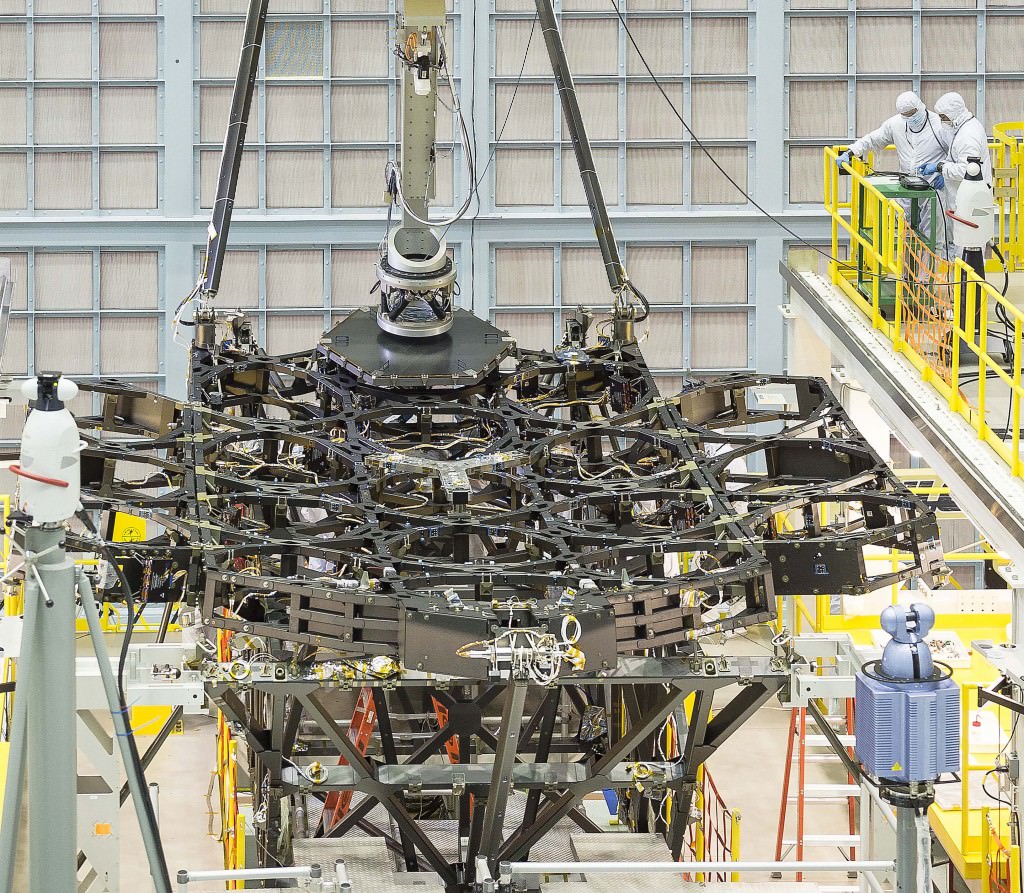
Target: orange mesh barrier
<point x="927" y="305"/>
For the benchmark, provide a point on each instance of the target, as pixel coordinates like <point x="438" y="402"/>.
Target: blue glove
<point x="939" y="182"/>
<point x="845" y="158"/>
<point x="928" y="169"/>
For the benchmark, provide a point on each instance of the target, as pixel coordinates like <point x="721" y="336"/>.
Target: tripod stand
<point x="43" y="754"/>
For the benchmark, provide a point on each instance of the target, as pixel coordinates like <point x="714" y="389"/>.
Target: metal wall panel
<point x="293" y="331"/>
<point x="128" y="180"/>
<point x="63" y="280"/>
<point x="13" y="181"/>
<point x="63" y="117"/>
<point x="719" y="274"/>
<point x="117" y="333"/>
<point x="128" y="115"/>
<point x="356" y="178"/>
<point x="531" y="330"/>
<point x="129" y="280"/>
<point x="63" y="180"/>
<point x="524" y="276"/>
<point x="295" y="179"/>
<point x="524" y="177"/>
<point x="240" y="283"/>
<point x="295" y="113"/>
<point x="62" y="51"/>
<point x="719" y="340"/>
<point x="660" y="269"/>
<point x="583" y="278"/>
<point x="654" y="176"/>
<point x="13" y="116"/>
<point x="352" y="276"/>
<point x="65" y="343"/>
<point x="295" y="277"/>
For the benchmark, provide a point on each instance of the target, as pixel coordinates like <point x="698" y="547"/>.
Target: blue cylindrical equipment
<point x="908" y="706"/>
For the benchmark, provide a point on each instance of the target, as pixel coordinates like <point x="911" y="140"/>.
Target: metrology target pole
<point x="52" y="788"/>
<point x="50" y="485"/>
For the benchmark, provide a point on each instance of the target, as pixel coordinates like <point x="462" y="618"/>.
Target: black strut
<point x="581" y="145"/>
<point x="234" y="143"/>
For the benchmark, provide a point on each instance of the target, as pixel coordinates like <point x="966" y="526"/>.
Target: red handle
<point x="961" y="220"/>
<point x="56" y="482"/>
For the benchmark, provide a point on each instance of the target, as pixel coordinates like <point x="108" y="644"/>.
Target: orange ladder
<point x="360" y="731"/>
<point x="800" y="742"/>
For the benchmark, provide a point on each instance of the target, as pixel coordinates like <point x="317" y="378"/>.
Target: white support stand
<point x="99" y="794"/>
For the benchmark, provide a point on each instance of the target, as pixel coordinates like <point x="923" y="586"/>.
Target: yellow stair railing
<point x="1007" y="147"/>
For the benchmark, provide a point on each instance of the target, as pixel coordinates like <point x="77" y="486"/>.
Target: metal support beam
<point x="388" y="799"/>
<point x="548" y="710"/>
<point x="501" y="776"/>
<point x="696" y="731"/>
<point x="387" y="741"/>
<point x="522" y="840"/>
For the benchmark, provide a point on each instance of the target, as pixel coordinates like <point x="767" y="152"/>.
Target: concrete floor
<point x="183" y="769"/>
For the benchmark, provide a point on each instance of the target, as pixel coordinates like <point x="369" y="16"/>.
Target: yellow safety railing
<point x="13" y="604"/>
<point x="232" y="821"/>
<point x="112" y="619"/>
<point x="934" y="312"/>
<point x="1007" y="148"/>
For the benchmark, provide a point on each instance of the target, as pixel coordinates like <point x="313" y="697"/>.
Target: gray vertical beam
<point x="181" y="271"/>
<point x="178" y="127"/>
<point x="475" y="257"/>
<point x="51" y="734"/>
<point x="177" y="124"/>
<point x="769" y="185"/>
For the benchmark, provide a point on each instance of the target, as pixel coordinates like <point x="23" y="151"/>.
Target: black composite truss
<point x="312" y="507"/>
<point x="532" y="544"/>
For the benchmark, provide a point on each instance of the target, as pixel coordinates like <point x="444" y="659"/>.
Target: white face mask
<point x="916" y="120"/>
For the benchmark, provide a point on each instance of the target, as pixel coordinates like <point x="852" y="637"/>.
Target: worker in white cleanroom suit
<point x="964" y="137"/>
<point x="917" y="135"/>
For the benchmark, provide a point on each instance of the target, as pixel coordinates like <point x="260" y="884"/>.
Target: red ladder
<point x="806" y="793"/>
<point x="360" y="731"/>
